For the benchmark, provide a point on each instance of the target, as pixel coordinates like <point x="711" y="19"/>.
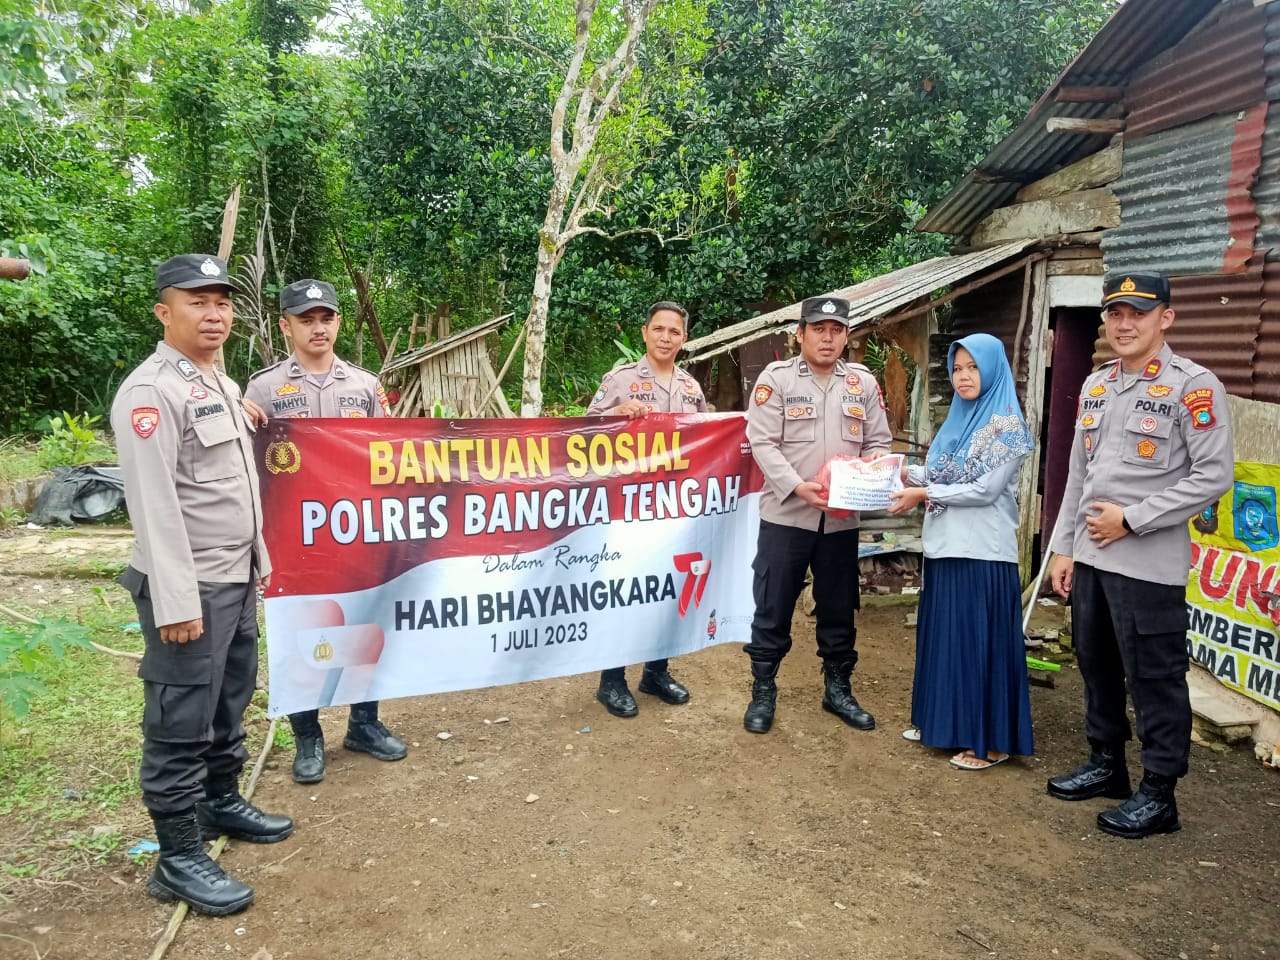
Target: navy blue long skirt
<point x="970" y="689"/>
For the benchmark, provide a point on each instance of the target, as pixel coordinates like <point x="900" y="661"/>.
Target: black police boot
<point x="1102" y="775"/>
<point x="308" y="760"/>
<point x="185" y="872"/>
<point x="764" y="697"/>
<point x="839" y="699"/>
<point x="225" y="811"/>
<point x="616" y="697"/>
<point x="1150" y="811"/>
<point x="661" y="684"/>
<point x="366" y="734"/>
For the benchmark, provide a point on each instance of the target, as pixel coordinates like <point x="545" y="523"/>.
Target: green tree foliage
<point x="773" y="148"/>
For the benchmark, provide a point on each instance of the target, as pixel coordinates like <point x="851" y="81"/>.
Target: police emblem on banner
<point x="282" y="457"/>
<point x="1254" y="514"/>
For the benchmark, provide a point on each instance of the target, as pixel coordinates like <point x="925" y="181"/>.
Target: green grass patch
<point x="19" y="459"/>
<point x="69" y="796"/>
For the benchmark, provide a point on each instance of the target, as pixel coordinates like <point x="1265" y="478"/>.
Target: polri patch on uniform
<point x="853" y="383"/>
<point x="1088" y="420"/>
<point x="1153" y="369"/>
<point x="1148" y="425"/>
<point x="1088" y="443"/>
<point x="856" y="411"/>
<point x="1146" y="449"/>
<point x="382" y="399"/>
<point x="855" y="428"/>
<point x="634" y="387"/>
<point x="880" y="394"/>
<point x="353" y="412"/>
<point x="1199" y="404"/>
<point x="647" y="385"/>
<point x="287" y="389"/>
<point x="1098" y="391"/>
<point x="762" y="395"/>
<point x="1159" y="390"/>
<point x="199" y="392"/>
<point x="600" y="395"/>
<point x="145" y="420"/>
<point x="186" y="368"/>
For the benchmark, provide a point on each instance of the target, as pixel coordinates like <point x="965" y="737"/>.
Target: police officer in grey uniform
<point x="1152" y="448"/>
<point x="803" y="412"/>
<point x="653" y="384"/>
<point x="192" y="492"/>
<point x="313" y="382"/>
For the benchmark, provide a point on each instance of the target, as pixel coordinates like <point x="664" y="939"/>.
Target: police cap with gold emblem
<point x="1143" y="290"/>
<point x="817" y="309"/>
<point x="190" y="271"/>
<point x="301" y="295"/>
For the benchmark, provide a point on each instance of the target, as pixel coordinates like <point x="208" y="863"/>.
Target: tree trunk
<point x="536" y="323"/>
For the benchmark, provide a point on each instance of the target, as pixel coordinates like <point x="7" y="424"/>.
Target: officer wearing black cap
<point x="1152" y="448"/>
<point x="653" y="384"/>
<point x="313" y="382"/>
<point x="192" y="492"/>
<point x="803" y="412"/>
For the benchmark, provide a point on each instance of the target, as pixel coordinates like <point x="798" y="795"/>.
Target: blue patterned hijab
<point x="980" y="435"/>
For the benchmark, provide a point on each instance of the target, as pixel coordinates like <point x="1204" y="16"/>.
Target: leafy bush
<point x="24" y="649"/>
<point x="71" y="442"/>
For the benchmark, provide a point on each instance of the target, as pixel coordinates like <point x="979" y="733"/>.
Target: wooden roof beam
<point x="1081" y="125"/>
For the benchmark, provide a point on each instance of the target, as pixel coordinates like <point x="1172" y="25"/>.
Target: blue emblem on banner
<point x="1255" y="516"/>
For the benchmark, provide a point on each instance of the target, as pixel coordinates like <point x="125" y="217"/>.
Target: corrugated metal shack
<point x="1156" y="148"/>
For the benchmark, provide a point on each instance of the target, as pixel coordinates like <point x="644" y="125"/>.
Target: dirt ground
<point x="562" y="832"/>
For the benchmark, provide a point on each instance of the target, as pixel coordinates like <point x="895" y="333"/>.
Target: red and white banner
<point x="419" y="556"/>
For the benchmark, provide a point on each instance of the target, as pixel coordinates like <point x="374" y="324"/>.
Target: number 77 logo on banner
<point x="695" y="584"/>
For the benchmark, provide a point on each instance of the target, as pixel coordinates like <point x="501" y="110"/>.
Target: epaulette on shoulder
<point x="860" y="367"/>
<point x="1187" y="365"/>
<point x="267" y="369"/>
<point x="779" y="364"/>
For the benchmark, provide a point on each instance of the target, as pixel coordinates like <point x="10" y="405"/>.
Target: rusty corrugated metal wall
<point x="1200" y="193"/>
<point x="1185" y="197"/>
<point x="1216" y="69"/>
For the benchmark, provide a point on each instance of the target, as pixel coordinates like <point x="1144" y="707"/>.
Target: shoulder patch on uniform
<point x="762" y="394"/>
<point x="145" y="420"/>
<point x="600" y="394"/>
<point x="1199" y="404"/>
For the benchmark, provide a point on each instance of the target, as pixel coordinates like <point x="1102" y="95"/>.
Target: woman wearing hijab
<point x="970" y="689"/>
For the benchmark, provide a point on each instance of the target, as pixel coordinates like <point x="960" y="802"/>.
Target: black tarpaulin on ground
<point x="78" y="493"/>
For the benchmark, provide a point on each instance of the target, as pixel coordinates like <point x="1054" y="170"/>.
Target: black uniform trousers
<point x="1131" y="633"/>
<point x="195" y="695"/>
<point x="783" y="555"/>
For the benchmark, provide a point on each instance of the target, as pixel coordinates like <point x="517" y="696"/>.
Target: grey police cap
<point x="301" y="295"/>
<point x="817" y="309"/>
<point x="188" y="271"/>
